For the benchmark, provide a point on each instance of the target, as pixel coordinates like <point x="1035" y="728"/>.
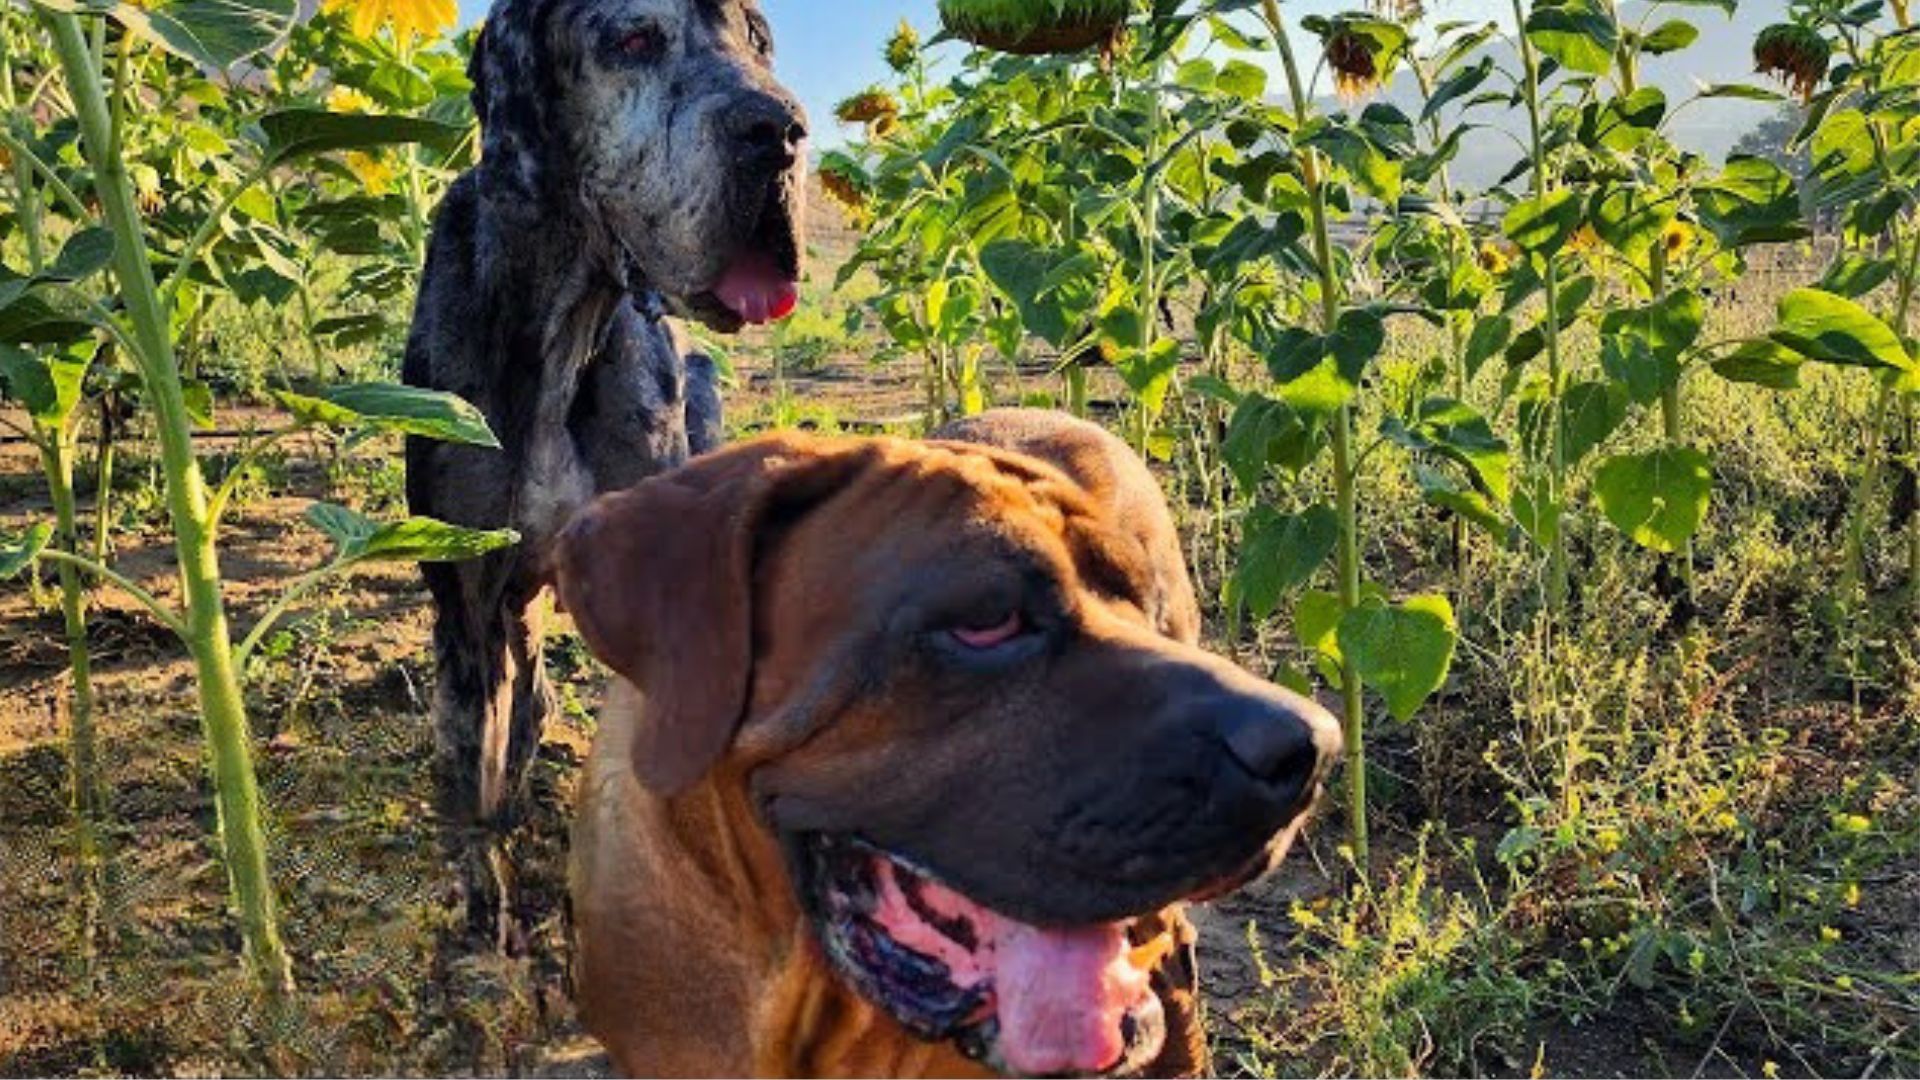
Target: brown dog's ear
<point x="659" y="581"/>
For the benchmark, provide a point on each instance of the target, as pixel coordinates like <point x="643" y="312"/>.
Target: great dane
<point x="640" y="161"/>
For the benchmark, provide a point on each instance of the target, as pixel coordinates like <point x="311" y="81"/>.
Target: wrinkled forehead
<point x="724" y="24"/>
<point x="908" y="524"/>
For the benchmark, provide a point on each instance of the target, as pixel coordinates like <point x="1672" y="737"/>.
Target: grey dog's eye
<point x="643" y="41"/>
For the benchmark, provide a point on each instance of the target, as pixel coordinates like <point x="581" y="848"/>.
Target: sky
<point x="828" y="50"/>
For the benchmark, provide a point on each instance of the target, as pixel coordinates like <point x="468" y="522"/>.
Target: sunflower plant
<point x="117" y="266"/>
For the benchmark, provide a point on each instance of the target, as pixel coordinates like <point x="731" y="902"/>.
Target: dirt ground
<point x="339" y="707"/>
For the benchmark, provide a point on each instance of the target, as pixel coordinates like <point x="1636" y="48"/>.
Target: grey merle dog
<point x="639" y="161"/>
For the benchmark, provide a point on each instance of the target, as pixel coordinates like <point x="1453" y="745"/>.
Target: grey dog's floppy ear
<point x="659" y="581"/>
<point x="512" y="92"/>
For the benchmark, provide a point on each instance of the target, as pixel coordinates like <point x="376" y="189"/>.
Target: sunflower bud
<point x="1795" y="55"/>
<point x="903" y="48"/>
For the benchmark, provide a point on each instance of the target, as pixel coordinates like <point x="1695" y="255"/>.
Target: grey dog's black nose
<point x="1275" y="736"/>
<point x="766" y="128"/>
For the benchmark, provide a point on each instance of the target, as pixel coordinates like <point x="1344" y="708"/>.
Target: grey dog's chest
<point x="611" y="412"/>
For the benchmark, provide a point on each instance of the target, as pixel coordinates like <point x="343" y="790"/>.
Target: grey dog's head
<point x="659" y="124"/>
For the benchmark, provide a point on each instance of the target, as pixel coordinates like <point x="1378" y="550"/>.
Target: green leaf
<point x="1054" y="291"/>
<point x="1489" y="336"/>
<point x="85" y="253"/>
<point x="1658" y="498"/>
<point x="1577" y="33"/>
<point x="1854" y="276"/>
<point x="1741" y="91"/>
<point x="18" y="554"/>
<point x="1458" y="85"/>
<point x="48" y="387"/>
<point x="296" y="133"/>
<point x="1281" y="552"/>
<point x="1544" y="224"/>
<point x="1316" y="622"/>
<point x="1403" y="651"/>
<point x="1322" y="374"/>
<point x="1594" y="411"/>
<point x="1670" y="36"/>
<point x="1149" y="373"/>
<point x="1753" y="201"/>
<point x="404" y="410"/>
<point x="1834" y="330"/>
<point x="1761" y="363"/>
<point x="1631" y="219"/>
<point x="1264" y="434"/>
<point x="1641" y="347"/>
<point x="198" y="398"/>
<point x="358" y="539"/>
<point x="212" y="33"/>
<point x="1248" y="82"/>
<point x="1537" y="514"/>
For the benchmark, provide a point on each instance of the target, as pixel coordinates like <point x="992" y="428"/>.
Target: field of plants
<point x="1588" y="496"/>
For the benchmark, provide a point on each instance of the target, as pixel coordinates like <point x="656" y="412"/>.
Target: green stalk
<point x="222" y="709"/>
<point x="1345" y="473"/>
<point x="1557" y="454"/>
<point x="1149" y="236"/>
<point x="87" y="789"/>
<point x="56" y="442"/>
<point x="103" y="477"/>
<point x="1627" y="60"/>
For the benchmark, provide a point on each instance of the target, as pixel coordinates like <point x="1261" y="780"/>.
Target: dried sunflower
<point x="1359" y="49"/>
<point x="903" y="48"/>
<point x="842" y="178"/>
<point x="867" y="107"/>
<point x="1035" y="27"/>
<point x="1795" y="55"/>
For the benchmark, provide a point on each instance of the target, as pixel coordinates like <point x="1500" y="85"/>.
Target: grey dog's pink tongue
<point x="756" y="290"/>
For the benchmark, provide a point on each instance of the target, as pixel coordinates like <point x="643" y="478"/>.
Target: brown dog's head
<point x="941" y="675"/>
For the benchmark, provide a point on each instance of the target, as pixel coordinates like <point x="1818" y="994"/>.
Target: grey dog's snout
<point x="765" y="129"/>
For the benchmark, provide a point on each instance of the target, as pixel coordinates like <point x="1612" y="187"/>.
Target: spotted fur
<point x="612" y="190"/>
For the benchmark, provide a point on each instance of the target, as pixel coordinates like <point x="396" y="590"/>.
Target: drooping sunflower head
<point x="1359" y="49"/>
<point x="1795" y="55"/>
<point x="843" y="179"/>
<point x="903" y="48"/>
<point x="867" y="107"/>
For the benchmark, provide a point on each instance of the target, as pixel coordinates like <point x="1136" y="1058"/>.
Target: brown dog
<point x="912" y="761"/>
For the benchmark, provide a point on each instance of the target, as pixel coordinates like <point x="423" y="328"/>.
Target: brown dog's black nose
<point x="766" y="129"/>
<point x="1282" y="740"/>
<point x="1271" y="739"/>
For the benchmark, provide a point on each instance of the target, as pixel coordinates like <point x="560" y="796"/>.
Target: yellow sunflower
<point x="1492" y="259"/>
<point x="409" y="18"/>
<point x="1677" y="238"/>
<point x="373" y="171"/>
<point x="345" y="99"/>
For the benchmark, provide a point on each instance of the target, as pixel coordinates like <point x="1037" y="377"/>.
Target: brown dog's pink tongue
<point x="756" y="290"/>
<point x="1061" y="995"/>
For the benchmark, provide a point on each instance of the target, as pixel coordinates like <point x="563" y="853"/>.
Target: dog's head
<point x="660" y="124"/>
<point x="943" y="676"/>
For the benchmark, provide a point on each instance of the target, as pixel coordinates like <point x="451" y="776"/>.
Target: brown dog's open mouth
<point x="1024" y="999"/>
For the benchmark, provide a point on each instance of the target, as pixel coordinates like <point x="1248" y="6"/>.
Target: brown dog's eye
<point x="986" y="637"/>
<point x="644" y="42"/>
